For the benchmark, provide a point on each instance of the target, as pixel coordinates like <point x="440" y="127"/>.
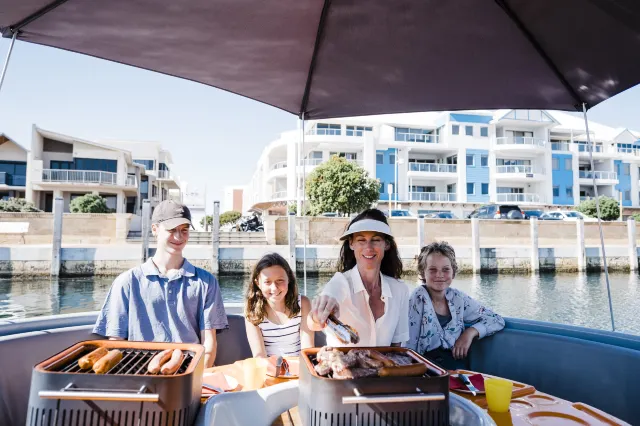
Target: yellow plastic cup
<point x="255" y="371"/>
<point x="498" y="394"/>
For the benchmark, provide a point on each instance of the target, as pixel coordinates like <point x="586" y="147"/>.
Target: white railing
<point x="586" y="174"/>
<point x="433" y="168"/>
<point x="280" y="165"/>
<point x="80" y="176"/>
<point x="311" y="162"/>
<point x="279" y="194"/>
<point x="417" y="137"/>
<point x="517" y="198"/>
<point x="358" y="162"/>
<point x="521" y="140"/>
<point x="431" y="196"/>
<point x="516" y="169"/>
<point x="585" y="198"/>
<point x="589" y="148"/>
<point x="164" y="174"/>
<point x="325" y="132"/>
<point x="131" y="181"/>
<point x="626" y="150"/>
<point x="560" y="146"/>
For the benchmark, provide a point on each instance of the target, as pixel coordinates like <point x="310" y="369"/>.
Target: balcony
<point x="433" y="168"/>
<point x="80" y="177"/>
<point x="522" y="141"/>
<point x="590" y="148"/>
<point x="278" y="195"/>
<point x="415" y="137"/>
<point x="311" y="162"/>
<point x="165" y="174"/>
<point x="522" y="198"/>
<point x="12" y="180"/>
<point x="131" y="181"/>
<point x="561" y="146"/>
<point x="599" y="175"/>
<point x="432" y="196"/>
<point x="279" y="165"/>
<point x="628" y="151"/>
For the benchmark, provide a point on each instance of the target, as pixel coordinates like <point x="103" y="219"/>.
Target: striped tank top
<point x="282" y="339"/>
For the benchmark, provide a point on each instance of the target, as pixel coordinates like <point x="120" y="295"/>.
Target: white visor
<point x="367" y="225"/>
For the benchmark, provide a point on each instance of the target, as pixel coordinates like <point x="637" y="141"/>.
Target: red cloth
<point x="476" y="379"/>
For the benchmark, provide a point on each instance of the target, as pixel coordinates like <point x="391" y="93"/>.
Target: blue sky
<point x="214" y="136"/>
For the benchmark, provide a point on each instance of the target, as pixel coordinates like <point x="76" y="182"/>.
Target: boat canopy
<point x="334" y="58"/>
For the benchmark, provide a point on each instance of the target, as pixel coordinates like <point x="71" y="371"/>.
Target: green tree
<point x="89" y="203"/>
<point x="226" y="217"/>
<point x="341" y="186"/>
<point x="609" y="208"/>
<point x="17" y="205"/>
<point x="636" y="217"/>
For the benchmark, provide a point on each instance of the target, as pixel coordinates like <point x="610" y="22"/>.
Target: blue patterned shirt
<point x="426" y="333"/>
<point x="144" y="305"/>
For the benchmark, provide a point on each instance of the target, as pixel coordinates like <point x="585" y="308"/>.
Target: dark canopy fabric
<point x="349" y="57"/>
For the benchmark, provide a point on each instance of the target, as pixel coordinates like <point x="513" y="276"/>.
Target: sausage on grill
<point x="158" y="361"/>
<point x="417" y="369"/>
<point x="87" y="361"/>
<point x="107" y="362"/>
<point x="173" y="364"/>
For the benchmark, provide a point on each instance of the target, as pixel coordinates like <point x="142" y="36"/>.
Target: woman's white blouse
<point x="392" y="327"/>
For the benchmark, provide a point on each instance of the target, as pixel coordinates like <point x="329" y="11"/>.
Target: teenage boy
<point x="166" y="299"/>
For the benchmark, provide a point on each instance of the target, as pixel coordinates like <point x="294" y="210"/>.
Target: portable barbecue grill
<point x="379" y="401"/>
<point x="62" y="394"/>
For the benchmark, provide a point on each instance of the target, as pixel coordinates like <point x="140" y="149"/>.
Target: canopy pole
<point x="305" y="230"/>
<point x="6" y="61"/>
<point x="595" y="192"/>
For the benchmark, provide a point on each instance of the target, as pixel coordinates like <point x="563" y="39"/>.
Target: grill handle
<point x="71" y="393"/>
<point x="359" y="398"/>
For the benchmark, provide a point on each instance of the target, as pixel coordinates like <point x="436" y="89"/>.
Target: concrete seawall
<point x="34" y="260"/>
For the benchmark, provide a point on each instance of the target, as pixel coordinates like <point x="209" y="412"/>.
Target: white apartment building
<point x="456" y="161"/>
<point x="13" y="168"/>
<point x="67" y="167"/>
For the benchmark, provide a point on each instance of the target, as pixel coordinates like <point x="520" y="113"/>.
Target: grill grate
<point x="133" y="362"/>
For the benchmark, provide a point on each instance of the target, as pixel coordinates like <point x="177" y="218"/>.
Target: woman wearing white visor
<point x="366" y="293"/>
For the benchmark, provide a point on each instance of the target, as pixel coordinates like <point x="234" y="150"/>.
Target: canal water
<point x="562" y="298"/>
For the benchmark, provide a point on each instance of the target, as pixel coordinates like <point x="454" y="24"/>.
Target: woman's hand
<point x="462" y="345"/>
<point x="322" y="307"/>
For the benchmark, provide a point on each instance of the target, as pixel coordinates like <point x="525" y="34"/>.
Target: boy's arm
<point x="208" y="339"/>
<point x="113" y="320"/>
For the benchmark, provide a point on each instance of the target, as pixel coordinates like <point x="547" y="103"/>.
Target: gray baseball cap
<point x="171" y="214"/>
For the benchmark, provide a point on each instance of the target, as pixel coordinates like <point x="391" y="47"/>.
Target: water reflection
<point x="579" y="299"/>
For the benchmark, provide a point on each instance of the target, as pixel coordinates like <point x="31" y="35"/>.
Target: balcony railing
<point x="521" y="140"/>
<point x="80" y="176"/>
<point x="165" y="174"/>
<point x="353" y="160"/>
<point x="131" y="181"/>
<point x="517" y="198"/>
<point x="433" y="168"/>
<point x="431" y="196"/>
<point x="586" y="174"/>
<point x="325" y="132"/>
<point x="627" y="150"/>
<point x="516" y="169"/>
<point x="311" y="162"/>
<point x="278" y="195"/>
<point x="416" y="137"/>
<point x="12" y="180"/>
<point x="279" y="165"/>
<point x="590" y="148"/>
<point x="560" y="146"/>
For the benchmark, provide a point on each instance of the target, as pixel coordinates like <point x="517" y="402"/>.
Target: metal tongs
<point x="345" y="333"/>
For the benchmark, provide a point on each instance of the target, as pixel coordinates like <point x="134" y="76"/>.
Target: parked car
<point x="497" y="211"/>
<point x="399" y="213"/>
<point x="571" y="215"/>
<point x="440" y="215"/>
<point x="528" y="214"/>
<point x="329" y="214"/>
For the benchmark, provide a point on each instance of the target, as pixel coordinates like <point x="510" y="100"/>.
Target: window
<point x="484" y="161"/>
<point x="379" y="158"/>
<point x="328" y="129"/>
<point x="569" y="192"/>
<point x="357" y="130"/>
<point x="13" y="173"/>
<point x="392" y="159"/>
<point x="452" y="160"/>
<point x="556" y="191"/>
<point x="567" y="164"/>
<point x="451" y="189"/>
<point x="382" y="189"/>
<point x="163" y="166"/>
<point x="485" y="189"/>
<point x="455" y="129"/>
<point x="148" y="164"/>
<point x="422" y="189"/>
<point x="627" y="195"/>
<point x="470" y="189"/>
<point x="556" y="165"/>
<point x="405" y="134"/>
<point x="484" y="132"/>
<point x="470" y="161"/>
<point x="468" y="130"/>
<point x="625" y="169"/>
